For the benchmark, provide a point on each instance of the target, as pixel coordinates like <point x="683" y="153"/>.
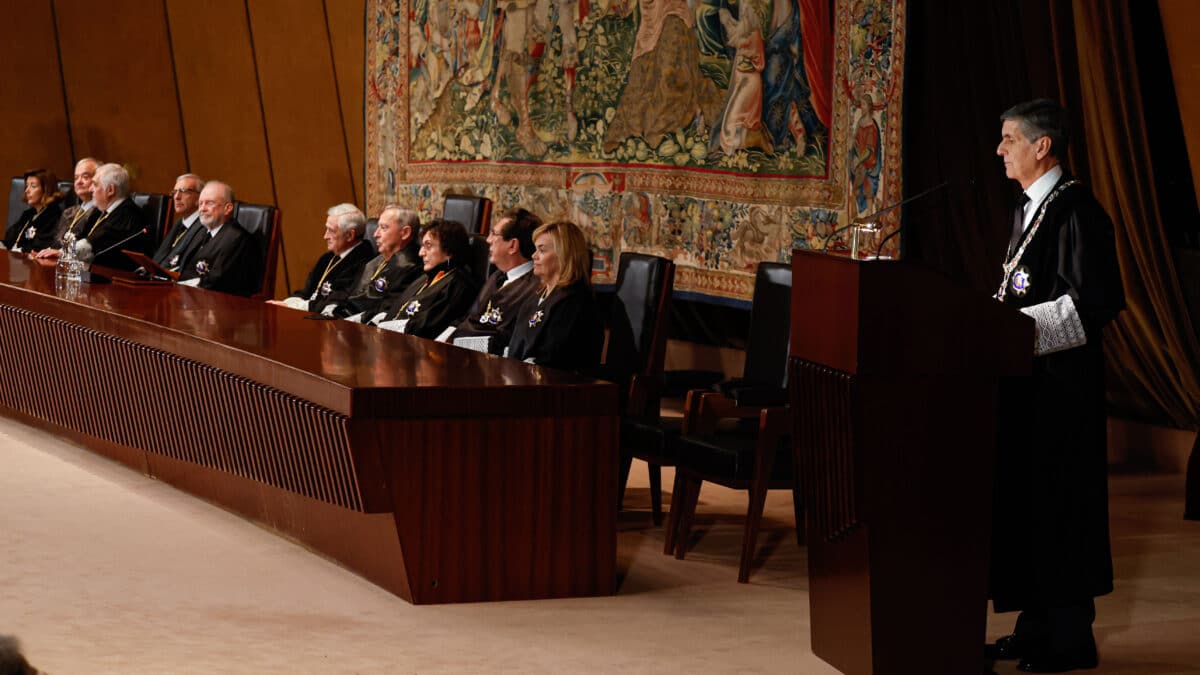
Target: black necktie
<point x="1018" y="227"/>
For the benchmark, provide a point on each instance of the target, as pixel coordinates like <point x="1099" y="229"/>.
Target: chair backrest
<point x="16" y="200"/>
<point x="770" y="326"/>
<point x="473" y="212"/>
<point x="67" y="189"/>
<point x="637" y="339"/>
<point x="157" y="210"/>
<point x="479" y="258"/>
<point x="263" y="222"/>
<point x="369" y="237"/>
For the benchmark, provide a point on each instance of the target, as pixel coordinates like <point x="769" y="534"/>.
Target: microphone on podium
<point x="868" y="218"/>
<point x="121" y="243"/>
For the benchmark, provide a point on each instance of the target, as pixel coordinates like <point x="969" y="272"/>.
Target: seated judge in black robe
<point x="226" y="258"/>
<point x="1050" y="542"/>
<point x="559" y="326"/>
<point x="490" y="321"/>
<point x="442" y="296"/>
<point x="180" y="236"/>
<point x="341" y="264"/>
<point x="34" y="229"/>
<point x="387" y="274"/>
<point x="119" y="219"/>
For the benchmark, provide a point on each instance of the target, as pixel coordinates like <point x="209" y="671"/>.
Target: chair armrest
<point x="704" y="409"/>
<point x="645" y="397"/>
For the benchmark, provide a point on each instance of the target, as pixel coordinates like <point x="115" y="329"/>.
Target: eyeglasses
<point x="182" y="191"/>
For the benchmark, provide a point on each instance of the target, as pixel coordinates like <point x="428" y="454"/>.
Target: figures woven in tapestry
<point x="717" y="133"/>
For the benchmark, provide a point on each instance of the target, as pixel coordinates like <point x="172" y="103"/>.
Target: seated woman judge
<point x="34" y="230"/>
<point x="440" y="297"/>
<point x="559" y="326"/>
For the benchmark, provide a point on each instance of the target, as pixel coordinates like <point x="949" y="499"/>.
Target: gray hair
<point x="403" y="216"/>
<point x="224" y="188"/>
<point x="93" y="160"/>
<point x="199" y="181"/>
<point x="349" y="219"/>
<point x="1042" y="118"/>
<point x="113" y="175"/>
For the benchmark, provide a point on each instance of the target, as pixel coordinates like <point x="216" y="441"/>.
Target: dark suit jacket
<point x="41" y="225"/>
<point x="376" y="284"/>
<point x="431" y="304"/>
<point x="495" y="310"/>
<point x="562" y="331"/>
<point x="231" y="262"/>
<point x="324" y="281"/>
<point x="110" y="228"/>
<point x="174" y="246"/>
<point x="73" y="221"/>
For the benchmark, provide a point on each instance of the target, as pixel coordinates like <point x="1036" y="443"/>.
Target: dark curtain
<point x="968" y="62"/>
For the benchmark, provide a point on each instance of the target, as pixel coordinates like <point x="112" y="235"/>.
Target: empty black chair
<point x="263" y="222"/>
<point x="157" y="210"/>
<point x="755" y="453"/>
<point x="474" y="213"/>
<point x="637" y="344"/>
<point x="67" y="189"/>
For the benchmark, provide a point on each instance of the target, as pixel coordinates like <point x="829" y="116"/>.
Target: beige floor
<point x="105" y="571"/>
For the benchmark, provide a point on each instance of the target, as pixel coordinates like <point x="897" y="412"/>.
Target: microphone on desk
<point x="121" y="243"/>
<point x="966" y="182"/>
<point x="868" y="218"/>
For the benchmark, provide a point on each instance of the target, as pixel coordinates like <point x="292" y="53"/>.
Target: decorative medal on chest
<point x="491" y="316"/>
<point x="412" y="307"/>
<point x="202" y="267"/>
<point x="31" y="233"/>
<point x="380" y="284"/>
<point x="1020" y="281"/>
<point x="174" y="261"/>
<point x="326" y="289"/>
<point x="537" y="318"/>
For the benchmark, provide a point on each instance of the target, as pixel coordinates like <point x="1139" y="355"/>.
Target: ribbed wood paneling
<point x="210" y="418"/>
<point x="825" y="448"/>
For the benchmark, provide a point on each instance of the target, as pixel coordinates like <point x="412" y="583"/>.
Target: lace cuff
<point x="1058" y="325"/>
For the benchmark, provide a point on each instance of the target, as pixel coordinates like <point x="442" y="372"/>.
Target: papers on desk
<point x="396" y="326"/>
<point x="194" y="283"/>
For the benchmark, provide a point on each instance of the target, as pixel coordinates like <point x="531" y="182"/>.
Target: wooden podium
<point x="894" y="384"/>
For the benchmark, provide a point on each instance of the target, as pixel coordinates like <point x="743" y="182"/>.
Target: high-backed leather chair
<point x="479" y="259"/>
<point x="16" y="200"/>
<point x="67" y="189"/>
<point x="636" y="347"/>
<point x="263" y="222"/>
<point x="754" y="454"/>
<point x="157" y="210"/>
<point x="473" y="212"/>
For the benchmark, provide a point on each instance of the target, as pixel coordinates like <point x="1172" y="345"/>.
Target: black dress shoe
<point x="1008" y="647"/>
<point x="1059" y="663"/>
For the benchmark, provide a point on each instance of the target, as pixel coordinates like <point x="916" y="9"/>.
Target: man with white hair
<point x="226" y="257"/>
<point x="186" y="198"/>
<point x="79" y="217"/>
<point x="337" y="270"/>
<point x="117" y="219"/>
<point x="388" y="273"/>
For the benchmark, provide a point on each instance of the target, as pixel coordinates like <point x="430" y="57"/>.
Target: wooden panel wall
<point x="1179" y="18"/>
<point x="266" y="95"/>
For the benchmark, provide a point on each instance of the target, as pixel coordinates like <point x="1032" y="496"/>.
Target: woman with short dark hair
<point x="442" y="296"/>
<point x="34" y="230"/>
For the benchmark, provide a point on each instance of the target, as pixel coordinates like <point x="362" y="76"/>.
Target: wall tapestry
<point x="718" y="133"/>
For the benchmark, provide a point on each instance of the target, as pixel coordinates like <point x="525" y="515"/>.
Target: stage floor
<point x="105" y="571"/>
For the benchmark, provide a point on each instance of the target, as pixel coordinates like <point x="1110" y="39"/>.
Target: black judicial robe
<point x="495" y="311"/>
<point x="319" y="286"/>
<point x="231" y="262"/>
<point x="34" y="230"/>
<point x="1050" y="544"/>
<point x="378" y="282"/>
<point x="434" y="301"/>
<point x="110" y="228"/>
<point x="561" y="331"/>
<point x="74" y="221"/>
<point x="171" y="252"/>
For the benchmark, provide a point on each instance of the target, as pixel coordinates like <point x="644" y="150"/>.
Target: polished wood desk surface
<point x="349" y="368"/>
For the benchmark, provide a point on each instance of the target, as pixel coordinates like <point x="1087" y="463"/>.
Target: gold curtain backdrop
<point x="1152" y="350"/>
<point x="718" y="133"/>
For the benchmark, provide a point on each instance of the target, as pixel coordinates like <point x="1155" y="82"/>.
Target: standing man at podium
<point x="1050" y="544"/>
